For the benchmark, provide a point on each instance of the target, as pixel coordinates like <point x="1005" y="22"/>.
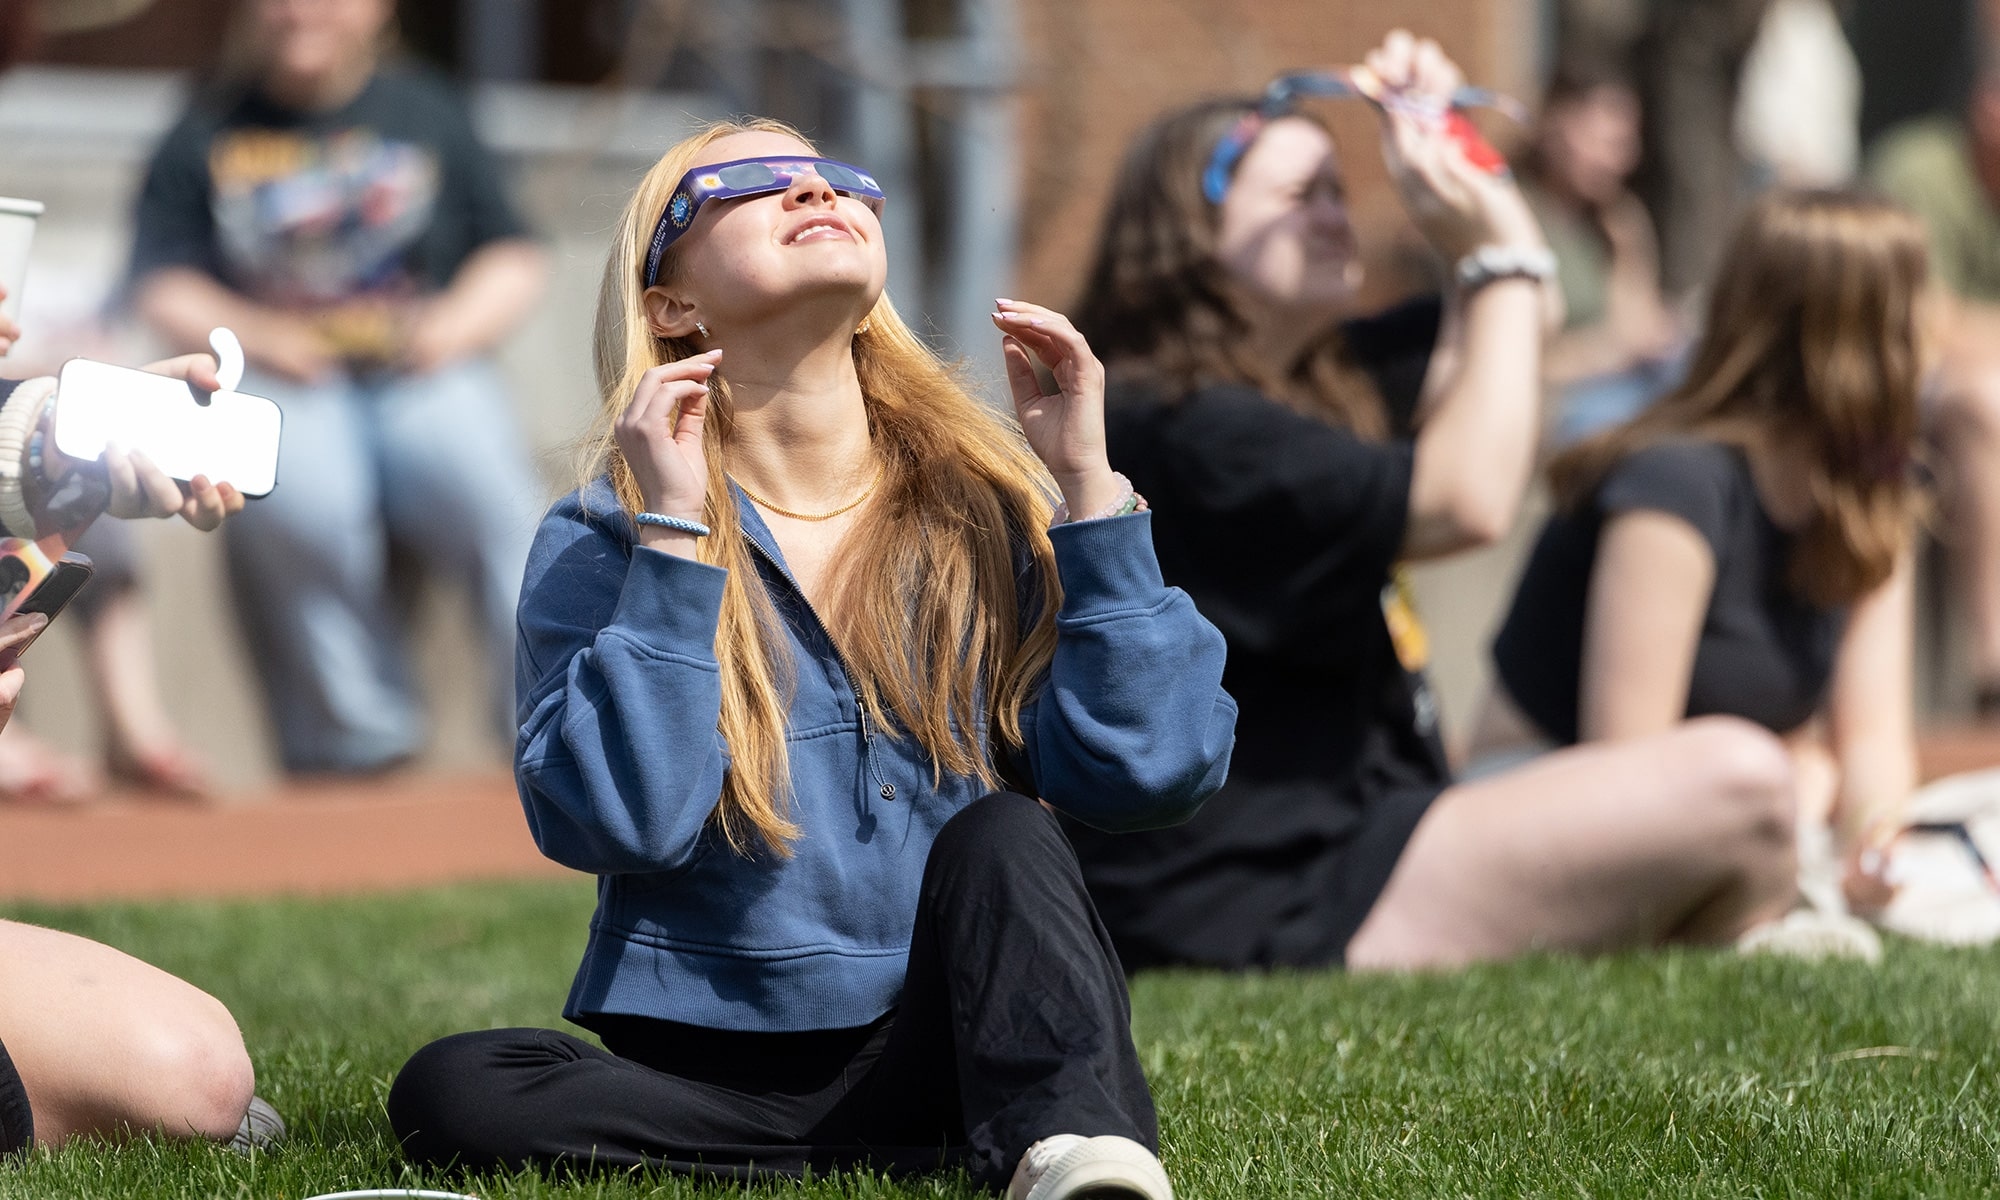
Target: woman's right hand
<point x="1458" y="207"/>
<point x="660" y="435"/>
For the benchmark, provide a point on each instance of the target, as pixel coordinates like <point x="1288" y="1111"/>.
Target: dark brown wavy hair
<point x="1813" y="330"/>
<point x="1157" y="299"/>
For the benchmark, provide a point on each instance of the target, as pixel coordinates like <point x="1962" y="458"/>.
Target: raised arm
<point x="1476" y="446"/>
<point x="1132" y="729"/>
<point x="619" y="761"/>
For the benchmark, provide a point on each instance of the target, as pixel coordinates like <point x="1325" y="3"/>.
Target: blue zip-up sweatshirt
<point x="620" y="766"/>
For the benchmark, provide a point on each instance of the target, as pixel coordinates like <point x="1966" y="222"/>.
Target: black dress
<point x="1285" y="531"/>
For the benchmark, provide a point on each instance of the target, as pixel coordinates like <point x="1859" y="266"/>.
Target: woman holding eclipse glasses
<point x="1299" y="452"/>
<point x="793" y="660"/>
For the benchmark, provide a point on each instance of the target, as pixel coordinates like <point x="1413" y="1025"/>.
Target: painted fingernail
<point x="999" y="316"/>
<point x="1002" y="300"/>
<point x="37" y="620"/>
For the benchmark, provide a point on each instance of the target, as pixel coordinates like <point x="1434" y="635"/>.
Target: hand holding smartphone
<point x="55" y="590"/>
<point x="229" y="436"/>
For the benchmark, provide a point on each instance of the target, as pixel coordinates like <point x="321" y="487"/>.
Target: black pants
<point x="17" y="1124"/>
<point x="1014" y="1025"/>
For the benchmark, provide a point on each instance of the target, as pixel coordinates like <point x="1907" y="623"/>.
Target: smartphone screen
<point x="231" y="437"/>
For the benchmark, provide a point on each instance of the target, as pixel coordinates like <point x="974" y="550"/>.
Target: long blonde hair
<point x="1814" y="329"/>
<point x="926" y="599"/>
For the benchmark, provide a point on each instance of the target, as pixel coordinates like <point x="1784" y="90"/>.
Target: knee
<point x="431" y="1108"/>
<point x="194" y="1077"/>
<point x="1749" y="779"/>
<point x="987" y="829"/>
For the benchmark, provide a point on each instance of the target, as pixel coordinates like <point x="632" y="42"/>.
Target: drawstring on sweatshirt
<point x="888" y="790"/>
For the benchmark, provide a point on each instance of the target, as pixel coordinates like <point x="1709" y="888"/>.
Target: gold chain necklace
<point x="855" y="503"/>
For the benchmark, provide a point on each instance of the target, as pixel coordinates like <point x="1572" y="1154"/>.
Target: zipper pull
<point x="888" y="790"/>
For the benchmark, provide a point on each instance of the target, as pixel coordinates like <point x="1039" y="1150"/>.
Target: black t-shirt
<point x="1285" y="531"/>
<point x="344" y="213"/>
<point x="1765" y="653"/>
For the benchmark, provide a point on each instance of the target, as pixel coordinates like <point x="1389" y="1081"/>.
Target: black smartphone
<point x="71" y="572"/>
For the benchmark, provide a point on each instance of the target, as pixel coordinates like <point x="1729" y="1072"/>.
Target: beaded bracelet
<point x="678" y="523"/>
<point x="1131" y="502"/>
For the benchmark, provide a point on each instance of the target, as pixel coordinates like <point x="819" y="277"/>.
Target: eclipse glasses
<point x="1284" y="93"/>
<point x="750" y="177"/>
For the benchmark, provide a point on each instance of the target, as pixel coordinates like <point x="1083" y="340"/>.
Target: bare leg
<point x="34" y="772"/>
<point x="107" y="1044"/>
<point x="1967" y="431"/>
<point x="1683" y="836"/>
<point x="141" y="743"/>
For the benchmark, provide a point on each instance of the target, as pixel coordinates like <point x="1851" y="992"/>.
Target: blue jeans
<point x="1592" y="405"/>
<point x="431" y="463"/>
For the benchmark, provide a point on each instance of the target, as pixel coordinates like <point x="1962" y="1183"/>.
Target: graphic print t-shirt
<point x="346" y="215"/>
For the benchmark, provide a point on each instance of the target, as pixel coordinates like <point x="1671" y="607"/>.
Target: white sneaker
<point x="1070" y="1167"/>
<point x="1810" y="934"/>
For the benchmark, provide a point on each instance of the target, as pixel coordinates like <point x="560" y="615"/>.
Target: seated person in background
<point x="94" y="1042"/>
<point x="1616" y="351"/>
<point x="1744" y="547"/>
<point x="1946" y="169"/>
<point x="1271" y="425"/>
<point x="342" y="217"/>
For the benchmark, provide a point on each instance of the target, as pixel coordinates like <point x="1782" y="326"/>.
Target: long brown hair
<point x="1158" y="297"/>
<point x="1813" y="332"/>
<point x="925" y="600"/>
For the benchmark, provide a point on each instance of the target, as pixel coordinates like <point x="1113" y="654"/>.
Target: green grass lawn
<point x="1684" y="1074"/>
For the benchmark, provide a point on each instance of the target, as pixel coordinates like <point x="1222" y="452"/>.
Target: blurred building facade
<point x="995" y="124"/>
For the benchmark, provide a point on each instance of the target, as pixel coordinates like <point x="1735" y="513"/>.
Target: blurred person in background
<point x="1744" y="547"/>
<point x="93" y="1042"/>
<point x="338" y="211"/>
<point x="1687" y="57"/>
<point x="1616" y="351"/>
<point x="1298" y="450"/>
<point x="142" y="747"/>
<point x="1946" y="169"/>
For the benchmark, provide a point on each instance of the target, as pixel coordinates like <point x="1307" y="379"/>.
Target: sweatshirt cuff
<point x="1107" y="565"/>
<point x="671" y="604"/>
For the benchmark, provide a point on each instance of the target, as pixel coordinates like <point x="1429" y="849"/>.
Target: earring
<point x="701" y="329"/>
<point x="863" y="327"/>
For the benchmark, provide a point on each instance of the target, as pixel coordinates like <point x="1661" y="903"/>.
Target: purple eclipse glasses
<point x="750" y="177"/>
<point x="1283" y="95"/>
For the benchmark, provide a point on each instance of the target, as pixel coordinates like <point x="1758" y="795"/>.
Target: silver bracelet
<point x="1125" y="505"/>
<point x="1490" y="264"/>
<point x="677" y="523"/>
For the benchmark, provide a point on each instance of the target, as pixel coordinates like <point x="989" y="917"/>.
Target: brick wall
<point x="1098" y="70"/>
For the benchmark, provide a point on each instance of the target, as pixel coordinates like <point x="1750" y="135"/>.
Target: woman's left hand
<point x="1066" y="427"/>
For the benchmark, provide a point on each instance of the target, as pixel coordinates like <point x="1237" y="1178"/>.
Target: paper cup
<point x="17" y="234"/>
